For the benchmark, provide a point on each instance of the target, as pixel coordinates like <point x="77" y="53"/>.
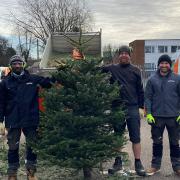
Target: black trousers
<point x="157" y="131"/>
<point x="13" y="137"/>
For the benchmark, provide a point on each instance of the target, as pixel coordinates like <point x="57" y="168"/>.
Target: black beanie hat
<point x="125" y="49"/>
<point x="166" y="58"/>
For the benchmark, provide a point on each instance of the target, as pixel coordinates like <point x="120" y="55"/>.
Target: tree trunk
<point x="87" y="173"/>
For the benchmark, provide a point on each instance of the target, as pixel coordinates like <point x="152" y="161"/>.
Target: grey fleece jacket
<point x="162" y="95"/>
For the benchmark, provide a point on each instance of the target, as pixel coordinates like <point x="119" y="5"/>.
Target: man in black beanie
<point x="165" y="58"/>
<point x="132" y="96"/>
<point x="162" y="102"/>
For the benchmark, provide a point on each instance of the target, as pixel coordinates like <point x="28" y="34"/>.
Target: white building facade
<point x="154" y="48"/>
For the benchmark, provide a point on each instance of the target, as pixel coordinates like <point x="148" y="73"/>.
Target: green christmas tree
<point x="77" y="126"/>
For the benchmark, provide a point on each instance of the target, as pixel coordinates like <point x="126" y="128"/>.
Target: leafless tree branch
<point x="43" y="17"/>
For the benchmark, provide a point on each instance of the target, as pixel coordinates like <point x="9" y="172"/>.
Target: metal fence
<point x="146" y="73"/>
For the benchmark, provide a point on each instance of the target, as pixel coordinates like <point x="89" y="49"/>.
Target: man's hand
<point x="150" y="119"/>
<point x="2" y="129"/>
<point x="178" y="120"/>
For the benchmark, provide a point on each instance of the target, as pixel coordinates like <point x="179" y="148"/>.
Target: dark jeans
<point x="132" y="120"/>
<point x="157" y="131"/>
<point x="13" y="137"/>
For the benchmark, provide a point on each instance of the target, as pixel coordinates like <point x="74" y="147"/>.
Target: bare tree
<point x="25" y="42"/>
<point x="43" y="17"/>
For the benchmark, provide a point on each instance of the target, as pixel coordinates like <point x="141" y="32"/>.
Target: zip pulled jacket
<point x="129" y="79"/>
<point x="162" y="95"/>
<point x="19" y="100"/>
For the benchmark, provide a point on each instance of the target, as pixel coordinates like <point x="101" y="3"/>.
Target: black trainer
<point x="117" y="166"/>
<point x="140" y="171"/>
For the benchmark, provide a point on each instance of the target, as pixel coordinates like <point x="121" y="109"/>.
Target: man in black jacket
<point x="162" y="101"/>
<point x="132" y="96"/>
<point x="19" y="109"/>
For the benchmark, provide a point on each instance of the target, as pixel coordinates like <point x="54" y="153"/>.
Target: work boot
<point x="140" y="171"/>
<point x="177" y="172"/>
<point x="117" y="166"/>
<point x="151" y="171"/>
<point x="12" y="177"/>
<point x="31" y="174"/>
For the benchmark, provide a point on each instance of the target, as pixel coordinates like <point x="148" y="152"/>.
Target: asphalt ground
<point x="146" y="156"/>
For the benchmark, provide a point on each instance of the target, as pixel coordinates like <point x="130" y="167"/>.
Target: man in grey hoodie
<point x="162" y="103"/>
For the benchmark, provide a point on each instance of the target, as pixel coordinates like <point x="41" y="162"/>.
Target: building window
<point x="150" y="66"/>
<point x="162" y="49"/>
<point x="149" y="49"/>
<point x="174" y="48"/>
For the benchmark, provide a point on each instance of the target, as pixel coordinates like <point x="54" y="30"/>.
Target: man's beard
<point x="124" y="62"/>
<point x="164" y="70"/>
<point x="18" y="71"/>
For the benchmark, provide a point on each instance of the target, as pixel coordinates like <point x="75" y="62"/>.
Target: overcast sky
<point x="123" y="21"/>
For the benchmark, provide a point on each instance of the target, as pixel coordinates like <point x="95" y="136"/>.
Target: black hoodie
<point x="129" y="79"/>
